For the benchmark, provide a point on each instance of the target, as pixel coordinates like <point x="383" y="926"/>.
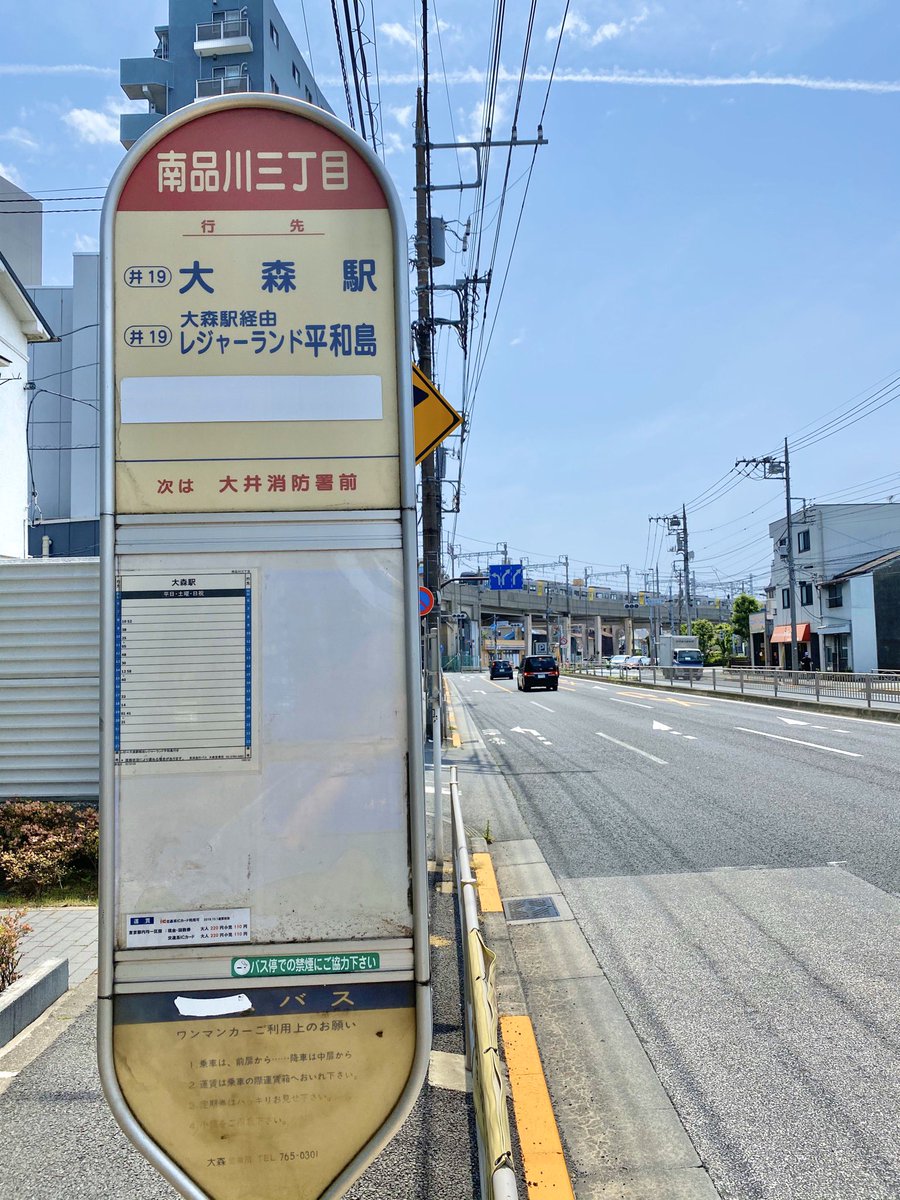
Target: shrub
<point x="43" y="844"/>
<point x="12" y="930"/>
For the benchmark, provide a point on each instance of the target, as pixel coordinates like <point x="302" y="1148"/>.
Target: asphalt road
<point x="735" y="870"/>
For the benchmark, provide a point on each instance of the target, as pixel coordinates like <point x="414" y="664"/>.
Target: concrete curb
<point x="29" y="996"/>
<point x="832" y="710"/>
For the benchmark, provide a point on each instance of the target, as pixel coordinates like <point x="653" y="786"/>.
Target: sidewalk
<point x="44" y="1113"/>
<point x="62" y="932"/>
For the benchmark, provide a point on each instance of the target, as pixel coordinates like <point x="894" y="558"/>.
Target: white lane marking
<point x="479" y="692"/>
<point x="791" y="721"/>
<point x="633" y="703"/>
<point x="796" y="741"/>
<point x="664" y="728"/>
<point x="543" y="706"/>
<point x="689" y="737"/>
<point x="662" y="762"/>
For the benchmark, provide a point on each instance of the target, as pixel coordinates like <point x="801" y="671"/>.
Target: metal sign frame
<point x="183" y="529"/>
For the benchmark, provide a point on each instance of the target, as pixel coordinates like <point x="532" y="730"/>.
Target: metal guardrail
<point x="880" y="687"/>
<point x="498" y="1180"/>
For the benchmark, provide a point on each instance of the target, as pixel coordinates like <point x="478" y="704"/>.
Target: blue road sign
<point x="505" y="577"/>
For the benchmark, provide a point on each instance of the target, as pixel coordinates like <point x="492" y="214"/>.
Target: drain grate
<point x="532" y="908"/>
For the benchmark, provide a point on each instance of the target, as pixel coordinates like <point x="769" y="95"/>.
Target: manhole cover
<point x="531" y="908"/>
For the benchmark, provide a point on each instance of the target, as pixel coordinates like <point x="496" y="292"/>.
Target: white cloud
<point x="55" y="69"/>
<point x="399" y="34"/>
<point x="92" y="126"/>
<point x="661" y="79"/>
<point x="85" y="244"/>
<point x="101" y="127"/>
<point x="577" y="27"/>
<point x="20" y="137"/>
<point x="8" y="171"/>
<point x="394" y="144"/>
<point x="403" y="115"/>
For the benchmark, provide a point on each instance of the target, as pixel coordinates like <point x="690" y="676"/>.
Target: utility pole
<point x="431" y="484"/>
<point x="792" y="575"/>
<point x="773" y="468"/>
<point x="567" y="626"/>
<point x="687" y="570"/>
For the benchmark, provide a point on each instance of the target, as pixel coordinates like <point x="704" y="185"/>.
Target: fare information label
<point x="184" y="668"/>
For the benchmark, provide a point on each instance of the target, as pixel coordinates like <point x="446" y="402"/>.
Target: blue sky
<point x="707" y="260"/>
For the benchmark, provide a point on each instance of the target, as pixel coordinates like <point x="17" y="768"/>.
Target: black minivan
<point x="538" y="670"/>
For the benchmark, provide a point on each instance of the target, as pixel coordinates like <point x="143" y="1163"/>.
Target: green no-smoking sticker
<point x="304" y="964"/>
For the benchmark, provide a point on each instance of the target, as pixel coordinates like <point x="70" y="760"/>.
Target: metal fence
<point x="498" y="1180"/>
<point x="881" y="687"/>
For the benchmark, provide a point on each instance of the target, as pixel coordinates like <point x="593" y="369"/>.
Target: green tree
<point x="705" y="633"/>
<point x="741" y="608"/>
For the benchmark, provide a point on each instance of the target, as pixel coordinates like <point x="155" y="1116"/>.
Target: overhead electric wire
<point x="480" y="367"/>
<point x="340" y="50"/>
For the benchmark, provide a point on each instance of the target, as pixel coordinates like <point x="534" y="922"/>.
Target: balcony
<point x="223" y="37"/>
<point x="222" y="86"/>
<point x="133" y="125"/>
<point x="147" y="79"/>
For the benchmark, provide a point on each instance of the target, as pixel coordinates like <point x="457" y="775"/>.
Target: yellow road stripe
<point x="488" y="892"/>
<point x="498" y="685"/>
<point x="546" y="1174"/>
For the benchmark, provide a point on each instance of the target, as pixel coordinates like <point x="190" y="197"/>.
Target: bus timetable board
<point x="264" y="1016"/>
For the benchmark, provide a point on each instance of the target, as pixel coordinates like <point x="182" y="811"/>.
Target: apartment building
<point x="207" y="49"/>
<point x="203" y="51"/>
<point x="844" y="565"/>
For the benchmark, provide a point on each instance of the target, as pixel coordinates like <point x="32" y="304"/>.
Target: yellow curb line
<point x="455" y="739"/>
<point x="546" y="1174"/>
<point x="488" y="892"/>
<point x="543" y="1160"/>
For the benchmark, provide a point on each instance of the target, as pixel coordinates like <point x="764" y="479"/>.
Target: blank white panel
<point x="177" y="399"/>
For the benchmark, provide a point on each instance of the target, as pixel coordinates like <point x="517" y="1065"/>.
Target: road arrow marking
<point x="643" y="753"/>
<point x="663" y="728"/>
<point x="796" y="742"/>
<point x="791" y="721"/>
<point x="534" y="733"/>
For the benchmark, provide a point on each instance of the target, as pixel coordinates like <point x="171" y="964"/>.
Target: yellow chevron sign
<point x="433" y="418"/>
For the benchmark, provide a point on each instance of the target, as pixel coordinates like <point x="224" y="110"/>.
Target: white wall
<point x="13" y="448"/>
<point x="861" y="605"/>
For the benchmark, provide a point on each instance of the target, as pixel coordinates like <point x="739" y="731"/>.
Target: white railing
<point x="217" y="31"/>
<point x="223" y="86"/>
<point x="880" y="687"/>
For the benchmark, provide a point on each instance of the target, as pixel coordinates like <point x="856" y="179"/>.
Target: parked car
<point x="617" y="661"/>
<point x="501" y="669"/>
<point x="634" y="662"/>
<point x="538" y="670"/>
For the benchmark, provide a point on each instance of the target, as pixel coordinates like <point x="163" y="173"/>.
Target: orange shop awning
<point x="782" y="633"/>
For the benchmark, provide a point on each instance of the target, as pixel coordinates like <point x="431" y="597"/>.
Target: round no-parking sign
<point x="426" y="601"/>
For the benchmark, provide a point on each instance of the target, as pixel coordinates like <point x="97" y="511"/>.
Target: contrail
<point x="659" y="79"/>
<point x="54" y="69"/>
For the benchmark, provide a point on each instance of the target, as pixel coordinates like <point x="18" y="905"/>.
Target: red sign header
<point x="250" y="158"/>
